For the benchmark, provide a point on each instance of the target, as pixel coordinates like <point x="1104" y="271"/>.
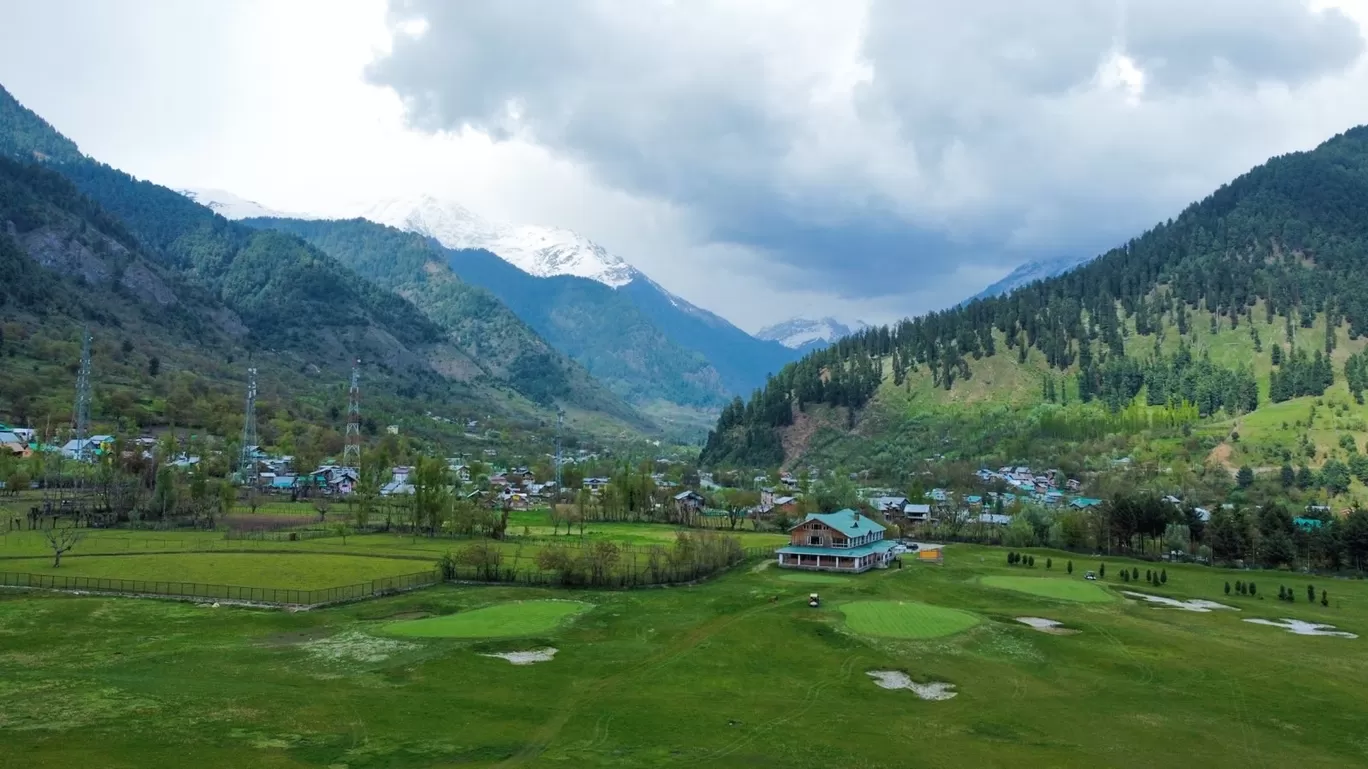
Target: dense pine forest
<point x="1289" y="240"/>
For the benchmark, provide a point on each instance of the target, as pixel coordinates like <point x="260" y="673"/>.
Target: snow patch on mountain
<point x="231" y="206"/>
<point x="1029" y="273"/>
<point x="805" y="333"/>
<point x="536" y="250"/>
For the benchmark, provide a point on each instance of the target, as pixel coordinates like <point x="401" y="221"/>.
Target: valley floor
<point x="738" y="671"/>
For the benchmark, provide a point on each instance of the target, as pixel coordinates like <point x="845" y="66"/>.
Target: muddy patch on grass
<point x="896" y="679"/>
<point x="355" y="646"/>
<point x="1053" y="627"/>
<point x="295" y="637"/>
<point x="525" y="658"/>
<point x="1304" y="628"/>
<point x="1193" y="604"/>
<point x="403" y="615"/>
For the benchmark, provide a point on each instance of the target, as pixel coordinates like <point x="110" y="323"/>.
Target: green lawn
<point x="302" y="571"/>
<point x="813" y="579"/>
<point x="905" y="619"/>
<point x="1058" y="588"/>
<point x="520" y="618"/>
<point x="714" y="675"/>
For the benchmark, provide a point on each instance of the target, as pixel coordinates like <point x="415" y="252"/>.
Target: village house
<point x="917" y="512"/>
<point x="840" y="541"/>
<point x="687" y="502"/>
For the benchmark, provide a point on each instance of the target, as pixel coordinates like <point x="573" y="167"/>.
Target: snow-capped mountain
<point x="1029" y="273"/>
<point x="536" y="250"/>
<point x="807" y="334"/>
<point x="231" y="206"/>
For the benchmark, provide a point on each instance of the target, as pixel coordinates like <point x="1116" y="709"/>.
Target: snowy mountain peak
<point x="805" y="333"/>
<point x="539" y="251"/>
<point x="231" y="206"/>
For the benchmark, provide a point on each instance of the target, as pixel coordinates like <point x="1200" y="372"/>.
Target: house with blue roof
<point x="841" y="541"/>
<point x="1085" y="502"/>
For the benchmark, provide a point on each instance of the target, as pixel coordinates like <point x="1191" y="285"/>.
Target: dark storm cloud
<point x="872" y="149"/>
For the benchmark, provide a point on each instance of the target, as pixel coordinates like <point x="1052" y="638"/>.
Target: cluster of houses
<point x="1048" y="489"/>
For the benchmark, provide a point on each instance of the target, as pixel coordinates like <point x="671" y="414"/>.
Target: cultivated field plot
<point x="293" y="571"/>
<point x="737" y="671"/>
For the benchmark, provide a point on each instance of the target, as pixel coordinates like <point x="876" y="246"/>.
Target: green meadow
<point x="735" y="671"/>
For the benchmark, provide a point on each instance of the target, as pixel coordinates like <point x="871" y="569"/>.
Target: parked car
<point x="898" y="549"/>
<point x="1090" y="575"/>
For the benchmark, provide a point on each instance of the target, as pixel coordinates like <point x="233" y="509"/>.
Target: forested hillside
<point x="474" y="320"/>
<point x="1282" y="247"/>
<point x="184" y="290"/>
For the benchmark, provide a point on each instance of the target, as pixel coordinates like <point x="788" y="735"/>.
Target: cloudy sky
<point x="868" y="159"/>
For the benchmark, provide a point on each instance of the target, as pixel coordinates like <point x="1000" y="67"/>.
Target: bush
<point x="1030" y="561"/>
<point x="1251" y="588"/>
<point x="1325" y="598"/>
<point x="1149" y="575"/>
<point x="1310" y="593"/>
<point x="1227" y="588"/>
<point x="1049" y="562"/>
<point x="1101" y="570"/>
<point x="1135" y="572"/>
<point x="1070" y="567"/>
<point x="447" y="565"/>
<point x="1163" y="576"/>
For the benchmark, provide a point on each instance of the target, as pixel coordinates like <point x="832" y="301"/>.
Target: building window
<point x="814" y="540"/>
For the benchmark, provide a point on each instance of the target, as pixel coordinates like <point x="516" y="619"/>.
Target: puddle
<point x="526" y="658"/>
<point x="1194" y="604"/>
<point x="1304" y="628"/>
<point x="894" y="679"/>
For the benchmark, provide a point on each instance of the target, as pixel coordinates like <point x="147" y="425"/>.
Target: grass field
<point x="1058" y="588"/>
<point x="905" y="619"/>
<point x="520" y="618"/>
<point x="301" y="571"/>
<point x="813" y="578"/>
<point x="714" y="675"/>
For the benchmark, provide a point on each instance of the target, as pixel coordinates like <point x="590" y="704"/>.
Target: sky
<point x="867" y="159"/>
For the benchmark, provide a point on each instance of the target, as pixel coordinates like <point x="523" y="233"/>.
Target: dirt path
<point x="543" y="736"/>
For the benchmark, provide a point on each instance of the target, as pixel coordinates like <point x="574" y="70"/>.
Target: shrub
<point x="1049" y="562"/>
<point x="1070" y="567"/>
<point x="447" y="565"/>
<point x="1163" y="576"/>
<point x="1251" y="588"/>
<point x="1030" y="561"/>
<point x="1135" y="572"/>
<point x="1282" y="593"/>
<point x="1325" y="598"/>
<point x="1148" y="577"/>
<point x="1101" y="570"/>
<point x="1227" y="588"/>
<point x="1310" y="593"/>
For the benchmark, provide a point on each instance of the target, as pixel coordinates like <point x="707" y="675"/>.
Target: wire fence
<point x="201" y="591"/>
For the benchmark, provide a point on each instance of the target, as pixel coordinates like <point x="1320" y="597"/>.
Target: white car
<point x="898" y="549"/>
<point x="1090" y="576"/>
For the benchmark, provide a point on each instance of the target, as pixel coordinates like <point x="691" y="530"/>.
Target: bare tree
<point x="62" y="539"/>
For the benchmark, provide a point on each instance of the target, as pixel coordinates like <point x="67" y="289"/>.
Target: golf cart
<point x="814" y="601"/>
<point x="1090" y="576"/>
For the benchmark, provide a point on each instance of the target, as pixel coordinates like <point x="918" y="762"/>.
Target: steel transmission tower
<point x="351" y="452"/>
<point x="246" y="457"/>
<point x="560" y="421"/>
<point x="80" y="418"/>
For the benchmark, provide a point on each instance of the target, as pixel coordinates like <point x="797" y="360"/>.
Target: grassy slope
<point x="1000" y="381"/>
<point x="715" y="675"/>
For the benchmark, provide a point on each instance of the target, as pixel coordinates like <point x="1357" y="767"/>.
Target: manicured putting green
<point x="499" y="621"/>
<point x="1046" y="587"/>
<point x="813" y="579"/>
<point x="905" y="619"/>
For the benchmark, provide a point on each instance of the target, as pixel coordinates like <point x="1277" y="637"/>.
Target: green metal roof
<point x="882" y="546"/>
<point x="848" y="522"/>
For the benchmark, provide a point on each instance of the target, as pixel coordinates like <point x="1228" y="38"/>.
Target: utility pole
<point x="246" y="457"/>
<point x="351" y="452"/>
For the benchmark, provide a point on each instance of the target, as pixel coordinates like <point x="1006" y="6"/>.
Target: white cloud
<point x="865" y="159"/>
